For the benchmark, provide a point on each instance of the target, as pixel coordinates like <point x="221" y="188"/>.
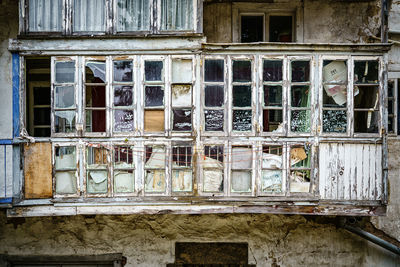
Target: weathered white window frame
<point x="394" y="99"/>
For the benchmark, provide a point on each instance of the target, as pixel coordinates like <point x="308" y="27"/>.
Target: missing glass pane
<point x="241" y="95"/>
<point x="252" y="29"/>
<point x="214" y="120"/>
<point x="272" y="120"/>
<point x="367" y="97"/>
<point x="241" y="120"/>
<point x="280" y="28"/>
<point x="334" y="121"/>
<point x="95" y="120"/>
<point x="300" y="157"/>
<point x="241" y="71"/>
<point x="65" y="72"/>
<point x="272" y="96"/>
<point x="214" y="70"/>
<point x="335" y="96"/>
<point x="95" y="72"/>
<point x="154" y="96"/>
<point x="95" y="96"/>
<point x="64" y="121"/>
<point x="182" y="71"/>
<point x="300" y="71"/>
<point x="272" y="70"/>
<point x="181" y="95"/>
<point x="123" y="157"/>
<point x="154" y="120"/>
<point x="366" y="71"/>
<point x="123" y="71"/>
<point x="41" y="116"/>
<point x="153" y="70"/>
<point x="41" y="95"/>
<point x="123" y="120"/>
<point x="366" y="121"/>
<point x="123" y="96"/>
<point x="182" y="120"/>
<point x="64" y="97"/>
<point x="214" y="95"/>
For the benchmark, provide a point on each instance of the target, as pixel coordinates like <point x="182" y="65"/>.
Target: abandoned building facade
<point x="148" y="132"/>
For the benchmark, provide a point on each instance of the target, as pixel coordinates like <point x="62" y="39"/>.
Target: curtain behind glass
<point x="45" y="15"/>
<point x="89" y="15"/>
<point x="176" y="15"/>
<point x="133" y="15"/>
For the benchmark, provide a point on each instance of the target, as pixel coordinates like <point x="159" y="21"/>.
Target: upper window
<point x="109" y="17"/>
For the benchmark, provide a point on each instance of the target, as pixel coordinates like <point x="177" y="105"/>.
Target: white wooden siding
<point x="350" y="171"/>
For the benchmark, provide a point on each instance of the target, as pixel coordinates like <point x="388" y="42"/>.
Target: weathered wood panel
<point x="6" y="171"/>
<point x="38" y="170"/>
<point x="350" y="171"/>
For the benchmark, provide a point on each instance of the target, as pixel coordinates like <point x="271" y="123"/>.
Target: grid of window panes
<point x="154" y="96"/>
<point x="300" y="96"/>
<point x="124" y="169"/>
<point x="300" y="168"/>
<point x="123" y="96"/>
<point x="273" y="113"/>
<point x="214" y="95"/>
<point x="334" y="96"/>
<point x="155" y="169"/>
<point x="272" y="178"/>
<point x="213" y="169"/>
<point x="64" y="105"/>
<point x="66" y="172"/>
<point x="241" y="169"/>
<point x="366" y="96"/>
<point x="182" y="169"/>
<point x="242" y="96"/>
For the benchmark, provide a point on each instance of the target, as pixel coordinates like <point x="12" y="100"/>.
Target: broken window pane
<point x="334" y="71"/>
<point x="214" y="95"/>
<point x="123" y="96"/>
<point x="241" y="95"/>
<point x="153" y="70"/>
<point x="154" y="96"/>
<point x="334" y="121"/>
<point x="154" y="120"/>
<point x="95" y="72"/>
<point x="181" y="95"/>
<point x="133" y="15"/>
<point x="213" y="156"/>
<point x="214" y="70"/>
<point x="214" y="120"/>
<point x="97" y="181"/>
<point x="65" y="72"/>
<point x="271" y="181"/>
<point x="155" y="157"/>
<point x="280" y="28"/>
<point x="252" y="29"/>
<point x="300" y="181"/>
<point x="89" y="15"/>
<point x="213" y="180"/>
<point x="213" y="174"/>
<point x="182" y="156"/>
<point x="123" y="71"/>
<point x="366" y="97"/>
<point x="272" y="157"/>
<point x="97" y="172"/>
<point x="182" y="120"/>
<point x="181" y="180"/>
<point x="182" y="71"/>
<point x="272" y="96"/>
<point x="123" y="157"/>
<point x="65" y="157"/>
<point x="176" y="15"/>
<point x="300" y="157"/>
<point x="241" y="71"/>
<point x="66" y="182"/>
<point x="123" y="120"/>
<point x="300" y="71"/>
<point x="124" y="181"/>
<point x="366" y="71"/>
<point x="241" y="181"/>
<point x="335" y="95"/>
<point x="272" y="70"/>
<point x="45" y="15"/>
<point x="64" y="121"/>
<point x="241" y="120"/>
<point x="366" y="121"/>
<point x="95" y="120"/>
<point x="300" y="121"/>
<point x="273" y="120"/>
<point x="301" y="96"/>
<point x="64" y="97"/>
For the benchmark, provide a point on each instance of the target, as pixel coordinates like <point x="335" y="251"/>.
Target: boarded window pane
<point x="133" y="15"/>
<point x="182" y="71"/>
<point x="280" y="28"/>
<point x="64" y="97"/>
<point x="300" y="71"/>
<point x="272" y="95"/>
<point x="300" y="121"/>
<point x="214" y="120"/>
<point x="241" y="71"/>
<point x="241" y="181"/>
<point x="123" y="120"/>
<point x="124" y="181"/>
<point x="45" y="15"/>
<point x="89" y="15"/>
<point x="182" y="180"/>
<point x="176" y="15"/>
<point x="252" y="29"/>
<point x="272" y="70"/>
<point x="64" y="121"/>
<point x="214" y="95"/>
<point x="65" y="158"/>
<point x="366" y="71"/>
<point x="123" y="96"/>
<point x="182" y="120"/>
<point x="271" y="181"/>
<point x="95" y="72"/>
<point x="241" y="120"/>
<point x="241" y="95"/>
<point x="154" y="96"/>
<point x="65" y="72"/>
<point x="272" y="120"/>
<point x="214" y="70"/>
<point x="366" y="121"/>
<point x="153" y="70"/>
<point x="123" y="71"/>
<point x="66" y="182"/>
<point x="181" y="95"/>
<point x="154" y="120"/>
<point x="334" y="121"/>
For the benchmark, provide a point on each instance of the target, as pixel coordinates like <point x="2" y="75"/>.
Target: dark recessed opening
<point x="280" y="29"/>
<point x="252" y="29"/>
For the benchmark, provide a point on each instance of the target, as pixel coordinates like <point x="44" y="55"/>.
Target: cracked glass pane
<point x="153" y="70"/>
<point x="123" y="71"/>
<point x="64" y="97"/>
<point x="214" y="120"/>
<point x="334" y="121"/>
<point x="123" y="120"/>
<point x="154" y="96"/>
<point x="123" y="96"/>
<point x="241" y="120"/>
<point x="300" y="121"/>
